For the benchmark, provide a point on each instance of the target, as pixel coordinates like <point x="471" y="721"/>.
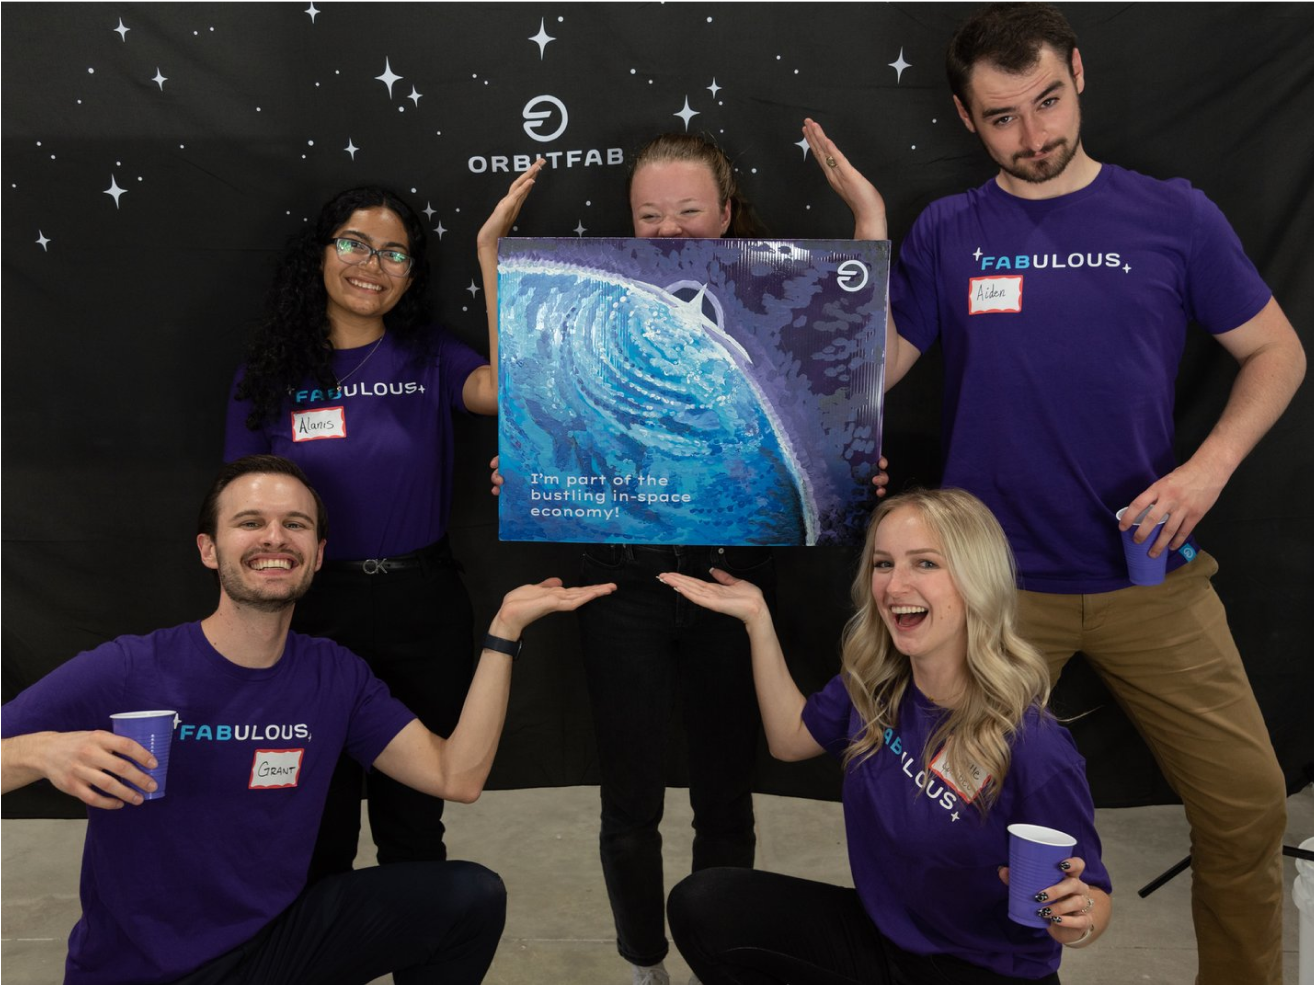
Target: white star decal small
<point x="1126" y="268"/>
<point x="312" y="10"/>
<point x="160" y="78"/>
<point x="977" y="254"/>
<point x="473" y="288"/>
<point x="542" y="38"/>
<point x="440" y="229"/>
<point x="804" y="145"/>
<point x="714" y="88"/>
<point x="686" y="114"/>
<point x="415" y="96"/>
<point x="114" y="191"/>
<point x="388" y="77"/>
<point x="580" y="229"/>
<point x="42" y="239"/>
<point x="954" y="815"/>
<point x="899" y="65"/>
<point x="122" y="31"/>
<point x="429" y="211"/>
<point x="351" y="148"/>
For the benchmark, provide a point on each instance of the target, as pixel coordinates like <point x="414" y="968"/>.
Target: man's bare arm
<point x="457" y="767"/>
<point x="87" y="765"/>
<point x="1272" y="368"/>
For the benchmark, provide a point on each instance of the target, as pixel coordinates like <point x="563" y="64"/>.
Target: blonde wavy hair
<point x="1005" y="675"/>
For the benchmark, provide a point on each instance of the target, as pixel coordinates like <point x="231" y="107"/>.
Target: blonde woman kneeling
<point x="938" y="717"/>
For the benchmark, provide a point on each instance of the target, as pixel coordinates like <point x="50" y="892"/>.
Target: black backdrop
<point x="225" y="126"/>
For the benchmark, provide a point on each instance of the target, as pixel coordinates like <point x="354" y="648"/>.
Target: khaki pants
<point x="1167" y="655"/>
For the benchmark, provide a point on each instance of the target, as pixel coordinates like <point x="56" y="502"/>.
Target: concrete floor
<point x="544" y="844"/>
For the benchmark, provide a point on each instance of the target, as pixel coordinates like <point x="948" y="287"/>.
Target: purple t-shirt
<point x="173" y="883"/>
<point x="1063" y="323"/>
<point x="924" y="861"/>
<point x="378" y="449"/>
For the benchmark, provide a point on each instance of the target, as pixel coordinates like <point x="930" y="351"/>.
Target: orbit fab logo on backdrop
<point x="544" y="119"/>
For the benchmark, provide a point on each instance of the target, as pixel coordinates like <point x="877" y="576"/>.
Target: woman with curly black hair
<point x="345" y="377"/>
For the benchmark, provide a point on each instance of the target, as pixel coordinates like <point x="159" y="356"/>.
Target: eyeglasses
<point x="353" y="251"/>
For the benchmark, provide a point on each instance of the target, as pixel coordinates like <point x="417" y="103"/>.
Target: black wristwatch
<point x="510" y="647"/>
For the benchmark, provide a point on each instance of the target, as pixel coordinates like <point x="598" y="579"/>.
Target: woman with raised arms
<point x="345" y="377"/>
<point x="643" y="646"/>
<point x="938" y="717"/>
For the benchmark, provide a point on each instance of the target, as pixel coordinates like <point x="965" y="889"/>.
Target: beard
<point x="263" y="598"/>
<point x="1025" y="168"/>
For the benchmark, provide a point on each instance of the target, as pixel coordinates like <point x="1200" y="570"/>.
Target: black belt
<point x="438" y="554"/>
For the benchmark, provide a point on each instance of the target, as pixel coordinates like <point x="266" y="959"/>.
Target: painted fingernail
<point x="1065" y="866"/>
<point x="1040" y="897"/>
<point x="1056" y="919"/>
<point x="1043" y="912"/>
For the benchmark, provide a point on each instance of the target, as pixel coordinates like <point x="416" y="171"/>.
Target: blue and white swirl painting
<point x="689" y="391"/>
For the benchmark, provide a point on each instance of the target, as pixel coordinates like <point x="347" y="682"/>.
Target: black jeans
<point x="643" y="646"/>
<point x="415" y="629"/>
<point x="736" y="927"/>
<point x="430" y="923"/>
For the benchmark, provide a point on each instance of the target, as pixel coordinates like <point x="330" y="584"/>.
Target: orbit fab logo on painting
<point x="544" y="119"/>
<point x="852" y="275"/>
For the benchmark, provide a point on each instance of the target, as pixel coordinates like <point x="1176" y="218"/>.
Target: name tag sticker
<point x="967" y="788"/>
<point x="273" y="769"/>
<point x="990" y="295"/>
<point x="323" y="422"/>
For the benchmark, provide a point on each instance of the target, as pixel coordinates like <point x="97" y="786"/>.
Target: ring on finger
<point x="831" y="162"/>
<point x="1090" y="904"/>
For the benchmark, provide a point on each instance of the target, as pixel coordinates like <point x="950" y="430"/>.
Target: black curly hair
<point x="291" y="343"/>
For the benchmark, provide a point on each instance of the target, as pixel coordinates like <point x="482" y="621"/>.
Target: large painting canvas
<point x="685" y="391"/>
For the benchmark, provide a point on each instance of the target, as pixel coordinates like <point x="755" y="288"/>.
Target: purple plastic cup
<point x="153" y="730"/>
<point x="1033" y="857"/>
<point x="1141" y="568"/>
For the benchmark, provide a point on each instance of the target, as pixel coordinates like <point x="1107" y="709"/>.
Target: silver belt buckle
<point x="374" y="565"/>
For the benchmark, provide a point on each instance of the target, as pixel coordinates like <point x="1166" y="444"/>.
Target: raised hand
<point x="859" y="194"/>
<point x="529" y="603"/>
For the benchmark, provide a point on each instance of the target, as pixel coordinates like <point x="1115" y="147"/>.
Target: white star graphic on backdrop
<point x="440" y="229"/>
<point x="114" y="191"/>
<point x="686" y="114"/>
<point x="160" y="78"/>
<point x="415" y="96"/>
<point x="804" y="145"/>
<point x="977" y="254"/>
<point x="312" y="10"/>
<point x="580" y="229"/>
<point x="43" y="239"/>
<point x="388" y="77"/>
<point x="899" y="65"/>
<point x="542" y="38"/>
<point x="121" y="30"/>
<point x="351" y="149"/>
<point x="714" y="88"/>
<point x="473" y="288"/>
<point x="429" y="211"/>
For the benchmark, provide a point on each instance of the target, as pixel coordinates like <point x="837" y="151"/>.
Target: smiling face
<point x="265" y="547"/>
<point x="677" y="199"/>
<point x="361" y="294"/>
<point x="1029" y="122"/>
<point x="915" y="593"/>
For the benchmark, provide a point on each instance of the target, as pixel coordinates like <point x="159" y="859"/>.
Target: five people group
<point x="1058" y="410"/>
